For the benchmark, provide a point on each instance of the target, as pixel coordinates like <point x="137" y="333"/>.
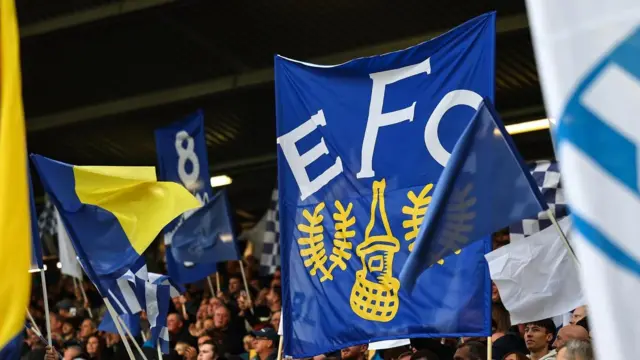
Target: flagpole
<point x="280" y="344"/>
<point x="159" y="351"/>
<point x="36" y="329"/>
<point x="213" y="294"/>
<point x="246" y="285"/>
<point x="489" y="348"/>
<point x="115" y="316"/>
<point x="46" y="305"/>
<point x="135" y="343"/>
<point x="84" y="296"/>
<point x="218" y="288"/>
<point x="564" y="238"/>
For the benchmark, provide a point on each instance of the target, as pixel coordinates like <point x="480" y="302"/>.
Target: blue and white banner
<point x="182" y="158"/>
<point x="588" y="56"/>
<point x="360" y="148"/>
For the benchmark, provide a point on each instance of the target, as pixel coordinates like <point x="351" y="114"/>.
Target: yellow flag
<point x="15" y="238"/>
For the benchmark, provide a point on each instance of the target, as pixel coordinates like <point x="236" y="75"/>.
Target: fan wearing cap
<point x="265" y="343"/>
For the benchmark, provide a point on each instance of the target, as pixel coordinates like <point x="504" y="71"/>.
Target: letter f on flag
<point x="15" y="237"/>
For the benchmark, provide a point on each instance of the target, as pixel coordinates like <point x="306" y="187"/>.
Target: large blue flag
<point x="360" y="147"/>
<point x="207" y="235"/>
<point x="182" y="158"/>
<point x="36" y="246"/>
<point x="484" y="188"/>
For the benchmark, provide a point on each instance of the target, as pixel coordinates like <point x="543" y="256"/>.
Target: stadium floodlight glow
<point x="527" y="126"/>
<point x="220" y="180"/>
<point x="59" y="265"/>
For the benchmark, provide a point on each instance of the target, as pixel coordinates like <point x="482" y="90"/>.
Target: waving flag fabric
<point x="360" y="147"/>
<point x="207" y="235"/>
<point x="36" y="246"/>
<point x="182" y="158"/>
<point x="484" y="188"/>
<point x="588" y="55"/>
<point x="112" y="214"/>
<point x="15" y="232"/>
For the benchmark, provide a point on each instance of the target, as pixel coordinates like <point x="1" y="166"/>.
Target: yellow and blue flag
<point x="112" y="214"/>
<point x="484" y="188"/>
<point x="15" y="232"/>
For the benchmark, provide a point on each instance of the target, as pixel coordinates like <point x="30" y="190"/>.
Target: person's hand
<point x="190" y="353"/>
<point x="182" y="300"/>
<point x="50" y="354"/>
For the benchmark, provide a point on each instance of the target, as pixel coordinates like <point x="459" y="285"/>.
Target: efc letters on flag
<point x="484" y="188"/>
<point x="112" y="214"/>
<point x="361" y="145"/>
<point x="15" y="232"/>
<point x="182" y="158"/>
<point x="207" y="235"/>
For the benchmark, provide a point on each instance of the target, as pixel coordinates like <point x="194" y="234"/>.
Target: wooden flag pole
<point x="246" y="285"/>
<point x="213" y="294"/>
<point x="115" y="316"/>
<point x="218" y="288"/>
<point x="135" y="343"/>
<point x="489" y="348"/>
<point x="46" y="305"/>
<point x="564" y="238"/>
<point x="280" y="344"/>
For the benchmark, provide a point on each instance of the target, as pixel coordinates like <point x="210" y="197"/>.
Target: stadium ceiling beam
<point x="88" y="16"/>
<point x="222" y="84"/>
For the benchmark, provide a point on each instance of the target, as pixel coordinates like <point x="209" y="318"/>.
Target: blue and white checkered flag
<point x="547" y="177"/>
<point x="270" y="259"/>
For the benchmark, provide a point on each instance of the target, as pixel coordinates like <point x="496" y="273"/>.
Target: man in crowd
<point x="358" y="352"/>
<point x="578" y="314"/>
<point x="177" y="331"/>
<point x="207" y="350"/>
<point x="87" y="328"/>
<point x="266" y="344"/>
<point x="570" y="332"/>
<point x="576" y="350"/>
<point x="538" y="335"/>
<point x="228" y="332"/>
<point x="471" y="350"/>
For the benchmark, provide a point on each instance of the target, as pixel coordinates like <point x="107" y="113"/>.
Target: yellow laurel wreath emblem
<point x="419" y="207"/>
<point x="314" y="250"/>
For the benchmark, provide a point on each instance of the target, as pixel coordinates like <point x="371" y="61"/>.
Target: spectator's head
<point x="94" y="346"/>
<point x="495" y="294"/>
<point x="208" y="324"/>
<point x="235" y="284"/>
<point x="247" y="343"/>
<point x="64" y="307"/>
<point x="265" y="340"/>
<point x="501" y="317"/>
<point x="471" y="350"/>
<point x="214" y="304"/>
<point x="55" y="322"/>
<point x="515" y="356"/>
<point x="87" y="328"/>
<point x="576" y="350"/>
<point x="275" y="320"/>
<point x="72" y="351"/>
<point x="203" y="339"/>
<point x="357" y="352"/>
<point x="274" y="298"/>
<point x="538" y="335"/>
<point x="570" y="332"/>
<point x="424" y="354"/>
<point x="578" y="314"/>
<point x="68" y="328"/>
<point x="221" y="318"/>
<point x="277" y="274"/>
<point x="207" y="351"/>
<point x="584" y="323"/>
<point x="174" y="323"/>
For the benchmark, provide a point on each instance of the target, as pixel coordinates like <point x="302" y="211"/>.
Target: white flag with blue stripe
<point x="588" y="56"/>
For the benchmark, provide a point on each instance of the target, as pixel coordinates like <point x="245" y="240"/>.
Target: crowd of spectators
<point x="236" y="325"/>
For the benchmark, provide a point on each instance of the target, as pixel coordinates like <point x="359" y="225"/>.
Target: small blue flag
<point x="182" y="158"/>
<point x="484" y="187"/>
<point x="131" y="320"/>
<point x="207" y="235"/>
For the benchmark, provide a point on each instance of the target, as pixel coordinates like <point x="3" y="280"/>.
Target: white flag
<point x="70" y="265"/>
<point x="536" y="276"/>
<point x="589" y="60"/>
